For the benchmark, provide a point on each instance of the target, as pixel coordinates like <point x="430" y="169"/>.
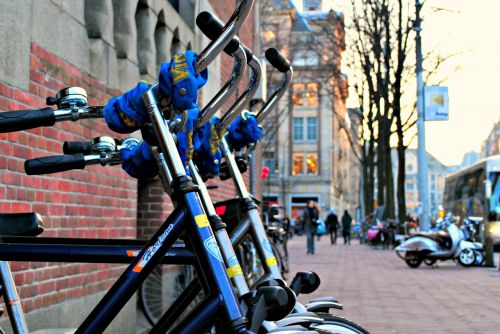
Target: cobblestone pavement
<point x="381" y="293"/>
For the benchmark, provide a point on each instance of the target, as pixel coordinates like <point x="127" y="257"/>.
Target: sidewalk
<point x="381" y="293"/>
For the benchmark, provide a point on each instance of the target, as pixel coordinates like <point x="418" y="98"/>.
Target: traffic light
<point x="264" y="173"/>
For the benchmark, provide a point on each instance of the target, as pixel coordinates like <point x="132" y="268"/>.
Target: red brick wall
<point x="96" y="202"/>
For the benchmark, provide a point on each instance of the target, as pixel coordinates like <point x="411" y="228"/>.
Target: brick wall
<point x="97" y="202"/>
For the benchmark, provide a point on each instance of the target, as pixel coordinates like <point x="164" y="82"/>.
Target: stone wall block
<point x="98" y="59"/>
<point x="98" y="18"/>
<point x="124" y="30"/>
<point x="113" y="77"/>
<point x="128" y="75"/>
<point x="146" y="50"/>
<point x="15" y="34"/>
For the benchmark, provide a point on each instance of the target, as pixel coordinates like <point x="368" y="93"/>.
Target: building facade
<point x="307" y="148"/>
<point x="437" y="172"/>
<point x="105" y="47"/>
<point x="491" y="145"/>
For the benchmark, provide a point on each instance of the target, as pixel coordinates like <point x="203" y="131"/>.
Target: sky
<point x="470" y="29"/>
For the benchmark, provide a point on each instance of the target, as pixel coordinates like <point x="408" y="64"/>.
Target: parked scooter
<point x="378" y="235"/>
<point x="448" y="244"/>
<point x="470" y="228"/>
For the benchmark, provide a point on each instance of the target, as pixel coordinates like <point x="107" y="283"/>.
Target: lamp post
<point x="423" y="180"/>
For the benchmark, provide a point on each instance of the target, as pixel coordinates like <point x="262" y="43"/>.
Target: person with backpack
<point x="346" y="227"/>
<point x="332" y="223"/>
<point x="311" y="214"/>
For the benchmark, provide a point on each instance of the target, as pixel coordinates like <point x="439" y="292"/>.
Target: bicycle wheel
<point x="280" y="252"/>
<point x="339" y="325"/>
<point x="157" y="292"/>
<point x="249" y="261"/>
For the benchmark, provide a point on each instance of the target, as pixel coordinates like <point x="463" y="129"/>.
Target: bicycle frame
<point x="189" y="215"/>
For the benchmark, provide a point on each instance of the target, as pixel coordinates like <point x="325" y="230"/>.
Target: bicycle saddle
<point x="28" y="224"/>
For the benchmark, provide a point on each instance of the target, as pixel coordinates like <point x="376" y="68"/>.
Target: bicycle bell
<point x="103" y="144"/>
<point x="69" y="98"/>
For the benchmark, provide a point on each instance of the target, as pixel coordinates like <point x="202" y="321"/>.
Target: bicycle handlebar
<point x="275" y="58"/>
<point x="54" y="164"/>
<point x="212" y="27"/>
<point x="72" y="147"/>
<point x="18" y="120"/>
<point x="26" y="119"/>
<point x="282" y="65"/>
<point x="230" y="29"/>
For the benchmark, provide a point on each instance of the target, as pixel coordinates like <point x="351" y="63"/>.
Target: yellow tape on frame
<point x="202" y="220"/>
<point x="271" y="261"/>
<point x="234" y="271"/>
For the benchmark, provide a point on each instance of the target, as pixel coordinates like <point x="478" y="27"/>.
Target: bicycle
<point x="220" y="294"/>
<point x="251" y="221"/>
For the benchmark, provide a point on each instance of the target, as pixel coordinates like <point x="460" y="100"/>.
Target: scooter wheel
<point x="479" y="258"/>
<point x="467" y="257"/>
<point x="429" y="262"/>
<point x="413" y="260"/>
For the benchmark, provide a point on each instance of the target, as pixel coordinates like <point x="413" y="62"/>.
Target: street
<point x="381" y="293"/>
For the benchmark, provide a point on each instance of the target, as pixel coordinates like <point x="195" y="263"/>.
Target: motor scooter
<point x="377" y="235"/>
<point x="448" y="244"/>
<point x="470" y="228"/>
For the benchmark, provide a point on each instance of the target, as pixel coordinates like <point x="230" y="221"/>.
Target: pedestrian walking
<point x="332" y="223"/>
<point x="311" y="214"/>
<point x="287" y="227"/>
<point x="346" y="227"/>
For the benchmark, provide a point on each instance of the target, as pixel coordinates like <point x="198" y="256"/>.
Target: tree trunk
<point x="389" y="184"/>
<point x="401" y="183"/>
<point x="381" y="160"/>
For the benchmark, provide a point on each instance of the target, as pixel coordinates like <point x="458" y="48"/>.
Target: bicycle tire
<point x="282" y="259"/>
<point x="155" y="299"/>
<point x="339" y="325"/>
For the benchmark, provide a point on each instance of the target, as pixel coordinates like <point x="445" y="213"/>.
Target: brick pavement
<point x="381" y="293"/>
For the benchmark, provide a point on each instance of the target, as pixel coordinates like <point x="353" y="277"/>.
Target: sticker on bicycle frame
<point x="271" y="261"/>
<point x="234" y="271"/>
<point x="213" y="248"/>
<point x="152" y="250"/>
<point x="202" y="221"/>
<point x="133" y="253"/>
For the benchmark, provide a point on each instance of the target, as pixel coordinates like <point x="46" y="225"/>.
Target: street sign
<point x="436" y="103"/>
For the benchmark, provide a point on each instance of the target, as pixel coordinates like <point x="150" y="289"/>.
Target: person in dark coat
<point x="311" y="215"/>
<point x="346" y="227"/>
<point x="332" y="223"/>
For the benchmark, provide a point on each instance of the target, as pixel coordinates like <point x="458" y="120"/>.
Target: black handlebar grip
<point x="54" y="164"/>
<point x="279" y="62"/>
<point x="212" y="28"/>
<point x="18" y="120"/>
<point x="72" y="147"/>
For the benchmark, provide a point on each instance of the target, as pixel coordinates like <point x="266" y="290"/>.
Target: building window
<point x="298" y="164"/>
<point x="305" y="94"/>
<point x="305" y="164"/>
<point x="305" y="58"/>
<point x="271" y="164"/>
<point x="298" y="129"/>
<point x="312" y="94"/>
<point x="312" y="129"/>
<point x="298" y="94"/>
<point x="312" y="164"/>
